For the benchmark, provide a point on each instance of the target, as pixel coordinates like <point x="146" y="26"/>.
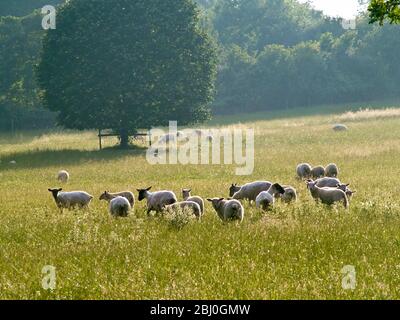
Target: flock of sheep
<point x="322" y="182"/>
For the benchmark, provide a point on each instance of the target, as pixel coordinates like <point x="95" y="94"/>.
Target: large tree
<point x="379" y="10"/>
<point x="126" y="65"/>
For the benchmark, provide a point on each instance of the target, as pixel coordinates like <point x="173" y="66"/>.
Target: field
<point x="293" y="252"/>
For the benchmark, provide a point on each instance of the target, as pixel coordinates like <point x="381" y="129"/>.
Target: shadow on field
<point x="45" y="158"/>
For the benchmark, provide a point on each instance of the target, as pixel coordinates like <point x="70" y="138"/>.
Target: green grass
<point x="294" y="252"/>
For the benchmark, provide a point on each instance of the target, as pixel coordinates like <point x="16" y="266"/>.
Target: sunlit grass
<point x="295" y="251"/>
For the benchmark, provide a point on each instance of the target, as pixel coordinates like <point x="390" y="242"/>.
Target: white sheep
<point x="71" y="200"/>
<point x="290" y="194"/>
<point x="328" y="195"/>
<point x="332" y="170"/>
<point x="317" y="172"/>
<point x="303" y="170"/>
<point x="340" y="127"/>
<point x="347" y="190"/>
<point x="108" y="196"/>
<point x="266" y="199"/>
<point x="191" y="206"/>
<point x="63" y="176"/>
<point x="188" y="197"/>
<point x="228" y="210"/>
<point x="327" y="182"/>
<point x="250" y="191"/>
<point x="156" y="201"/>
<point x="119" y="207"/>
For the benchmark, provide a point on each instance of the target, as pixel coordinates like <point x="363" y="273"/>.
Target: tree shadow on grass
<point x="62" y="158"/>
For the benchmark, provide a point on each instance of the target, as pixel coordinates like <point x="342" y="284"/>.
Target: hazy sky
<point x="342" y="8"/>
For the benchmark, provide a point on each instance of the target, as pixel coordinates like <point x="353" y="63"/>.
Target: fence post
<point x="100" y="145"/>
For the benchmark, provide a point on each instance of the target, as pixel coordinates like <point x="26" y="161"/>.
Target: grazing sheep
<point x="188" y="197"/>
<point x="317" y="172"/>
<point x="233" y="189"/>
<point x="250" y="191"/>
<point x="290" y="194"/>
<point x="328" y="195"/>
<point x="70" y="200"/>
<point x="347" y="190"/>
<point x="340" y="127"/>
<point x="228" y="210"/>
<point x="63" y="176"/>
<point x="266" y="199"/>
<point x="191" y="206"/>
<point x="107" y="196"/>
<point x="119" y="207"/>
<point x="303" y="171"/>
<point x="156" y="201"/>
<point x="332" y="170"/>
<point x="327" y="182"/>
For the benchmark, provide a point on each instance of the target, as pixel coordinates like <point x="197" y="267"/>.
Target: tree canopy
<point x="379" y="10"/>
<point x="127" y="65"/>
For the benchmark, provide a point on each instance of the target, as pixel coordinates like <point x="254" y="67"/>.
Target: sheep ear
<point x="190" y="190"/>
<point x="220" y="199"/>
<point x="347" y="184"/>
<point x="138" y="190"/>
<point x="148" y="188"/>
<point x="59" y="189"/>
<point x="209" y="199"/>
<point x="50" y="190"/>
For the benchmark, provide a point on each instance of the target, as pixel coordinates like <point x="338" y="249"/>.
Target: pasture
<point x="293" y="252"/>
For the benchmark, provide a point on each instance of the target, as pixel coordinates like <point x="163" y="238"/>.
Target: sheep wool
<point x="71" y="200"/>
<point x="107" y="196"/>
<point x="303" y="170"/>
<point x="119" y="207"/>
<point x="328" y="196"/>
<point x="190" y="206"/>
<point x="186" y="194"/>
<point x="156" y="201"/>
<point x="250" y="191"/>
<point x="228" y="210"/>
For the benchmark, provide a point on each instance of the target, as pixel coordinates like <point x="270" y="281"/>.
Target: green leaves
<point x="380" y="10"/>
<point x="128" y="64"/>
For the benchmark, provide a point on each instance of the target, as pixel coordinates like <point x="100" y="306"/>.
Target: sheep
<point x="70" y="200"/>
<point x="290" y="194"/>
<point x="328" y="195"/>
<point x="347" y="190"/>
<point x="156" y="201"/>
<point x="233" y="189"/>
<point x="303" y="171"/>
<point x="63" y="176"/>
<point x="332" y="170"/>
<point x="119" y="207"/>
<point x="228" y="210"/>
<point x="317" y="172"/>
<point x="266" y="199"/>
<point x="250" y="191"/>
<point x="327" y="182"/>
<point x="340" y="127"/>
<point x="107" y="196"/>
<point x="188" y="197"/>
<point x="191" y="206"/>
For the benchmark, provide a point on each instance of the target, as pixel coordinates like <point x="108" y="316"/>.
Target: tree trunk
<point x="124" y="139"/>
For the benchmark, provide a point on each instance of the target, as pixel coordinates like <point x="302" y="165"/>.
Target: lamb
<point x="156" y="201"/>
<point x="303" y="171"/>
<point x="107" y="196"/>
<point x="250" y="191"/>
<point x="340" y="127"/>
<point x="233" y="189"/>
<point x="71" y="200"/>
<point x="331" y="170"/>
<point x="290" y="194"/>
<point x="266" y="199"/>
<point x="347" y="190"/>
<point x="328" y="195"/>
<point x="188" y="197"/>
<point x="228" y="210"/>
<point x="119" y="207"/>
<point x="191" y="206"/>
<point x="317" y="172"/>
<point x="327" y="182"/>
<point x="63" y="176"/>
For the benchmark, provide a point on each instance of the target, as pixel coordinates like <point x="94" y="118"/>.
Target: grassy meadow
<point x="293" y="252"/>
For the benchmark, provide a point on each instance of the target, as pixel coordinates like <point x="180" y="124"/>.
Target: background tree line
<point x="272" y="54"/>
